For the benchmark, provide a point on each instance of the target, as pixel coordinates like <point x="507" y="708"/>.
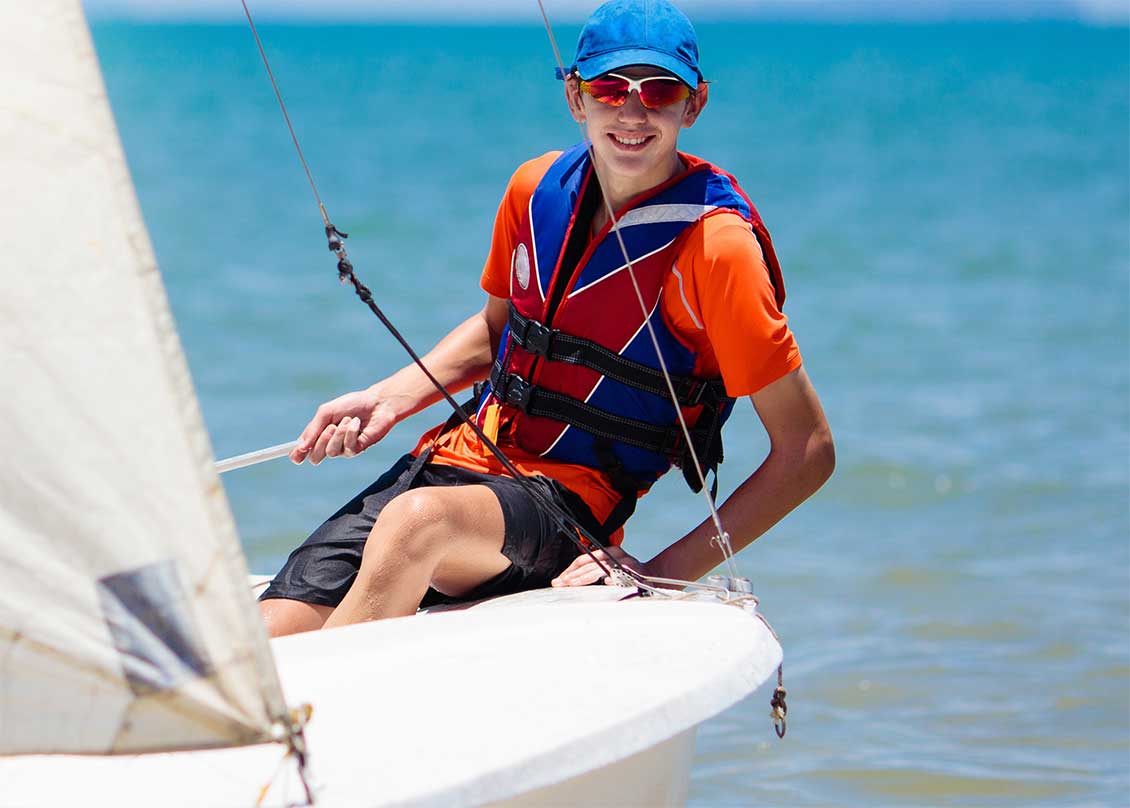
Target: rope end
<point x="778" y="709"/>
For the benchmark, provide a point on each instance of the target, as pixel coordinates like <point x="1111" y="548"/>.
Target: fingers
<point x="584" y="570"/>
<point x="318" y="450"/>
<point x="336" y="440"/>
<point x="344" y="441"/>
<point x="337" y="430"/>
<point x="583" y="575"/>
<point x="323" y="418"/>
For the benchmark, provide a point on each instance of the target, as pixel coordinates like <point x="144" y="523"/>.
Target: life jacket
<point x="582" y="384"/>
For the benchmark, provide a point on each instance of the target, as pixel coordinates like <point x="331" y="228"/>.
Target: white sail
<point x="125" y="619"/>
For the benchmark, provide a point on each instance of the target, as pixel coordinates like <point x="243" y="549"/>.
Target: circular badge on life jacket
<point x="522" y="266"/>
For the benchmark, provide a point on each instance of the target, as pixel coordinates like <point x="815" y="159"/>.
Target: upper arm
<point x="792" y="414"/>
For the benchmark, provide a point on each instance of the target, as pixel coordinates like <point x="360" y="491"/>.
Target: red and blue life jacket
<point x="576" y="371"/>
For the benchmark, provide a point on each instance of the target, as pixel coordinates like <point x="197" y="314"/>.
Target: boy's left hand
<point x="584" y="571"/>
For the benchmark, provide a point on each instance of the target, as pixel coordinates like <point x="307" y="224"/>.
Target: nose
<point x="633" y="110"/>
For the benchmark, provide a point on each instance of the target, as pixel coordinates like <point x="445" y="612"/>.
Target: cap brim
<point x="602" y="63"/>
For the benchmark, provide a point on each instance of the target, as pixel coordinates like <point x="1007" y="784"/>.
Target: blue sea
<point x="951" y="204"/>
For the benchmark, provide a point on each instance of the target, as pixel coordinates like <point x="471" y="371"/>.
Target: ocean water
<point x="951" y="204"/>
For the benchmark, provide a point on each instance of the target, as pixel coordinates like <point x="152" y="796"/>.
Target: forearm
<point x="787" y="477"/>
<point x="461" y="358"/>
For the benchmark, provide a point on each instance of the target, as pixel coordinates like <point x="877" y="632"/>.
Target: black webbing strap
<point x="409" y="475"/>
<point x="517" y="392"/>
<point x="706" y="434"/>
<point x="469" y="407"/>
<point x="626" y="486"/>
<point x="558" y="346"/>
<point x="706" y="437"/>
<point x="404" y="482"/>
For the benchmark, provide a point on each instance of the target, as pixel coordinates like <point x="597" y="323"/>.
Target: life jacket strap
<point x="533" y="400"/>
<point x="706" y="437"/>
<point x="706" y="434"/>
<point x="558" y="346"/>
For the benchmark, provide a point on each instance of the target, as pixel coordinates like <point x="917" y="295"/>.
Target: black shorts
<point x="323" y="567"/>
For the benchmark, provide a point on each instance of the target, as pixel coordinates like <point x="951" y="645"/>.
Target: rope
<point x="335" y="239"/>
<point x="282" y="106"/>
<point x="292" y="732"/>
<point x="778" y="709"/>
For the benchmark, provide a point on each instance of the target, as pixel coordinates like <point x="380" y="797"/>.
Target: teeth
<point x="629" y="141"/>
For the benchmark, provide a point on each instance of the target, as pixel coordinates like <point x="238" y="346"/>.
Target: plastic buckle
<point x="517" y="391"/>
<point x="537" y="339"/>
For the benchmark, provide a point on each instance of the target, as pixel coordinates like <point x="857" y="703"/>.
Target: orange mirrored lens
<point x="607" y="90"/>
<point x="660" y="93"/>
<point x="655" y="92"/>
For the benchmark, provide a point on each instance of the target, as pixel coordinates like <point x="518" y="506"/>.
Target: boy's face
<point x="633" y="141"/>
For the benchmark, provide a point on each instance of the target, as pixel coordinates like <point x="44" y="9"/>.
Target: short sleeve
<point x="720" y="300"/>
<point x="496" y="272"/>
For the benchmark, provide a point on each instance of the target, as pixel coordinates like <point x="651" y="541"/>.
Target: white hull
<point x="555" y="697"/>
<point x="657" y="777"/>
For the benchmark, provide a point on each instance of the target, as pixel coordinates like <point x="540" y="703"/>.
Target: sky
<point x="1116" y="12"/>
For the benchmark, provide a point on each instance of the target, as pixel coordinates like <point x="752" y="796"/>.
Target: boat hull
<point x="657" y="777"/>
<point x="548" y="697"/>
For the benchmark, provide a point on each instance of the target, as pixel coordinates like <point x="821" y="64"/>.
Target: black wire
<point x="345" y="271"/>
<point x="566" y="519"/>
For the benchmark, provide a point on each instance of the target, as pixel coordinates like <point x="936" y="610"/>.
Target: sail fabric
<point x="126" y="620"/>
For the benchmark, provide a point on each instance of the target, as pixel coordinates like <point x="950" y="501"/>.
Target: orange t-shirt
<point x="718" y="299"/>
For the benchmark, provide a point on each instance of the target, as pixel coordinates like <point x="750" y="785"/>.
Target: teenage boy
<point x="577" y="398"/>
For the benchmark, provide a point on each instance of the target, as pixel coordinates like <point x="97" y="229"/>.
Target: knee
<point x="413" y="525"/>
<point x="283" y="616"/>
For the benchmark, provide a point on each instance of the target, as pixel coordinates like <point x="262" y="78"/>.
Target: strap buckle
<point x="538" y="339"/>
<point x="515" y="391"/>
<point x="530" y="334"/>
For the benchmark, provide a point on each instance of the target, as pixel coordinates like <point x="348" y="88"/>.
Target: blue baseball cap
<point x="638" y="32"/>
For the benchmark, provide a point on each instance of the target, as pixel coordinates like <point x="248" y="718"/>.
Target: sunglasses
<point x="655" y="91"/>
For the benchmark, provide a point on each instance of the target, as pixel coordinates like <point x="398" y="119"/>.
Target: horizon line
<point x="1115" y="13"/>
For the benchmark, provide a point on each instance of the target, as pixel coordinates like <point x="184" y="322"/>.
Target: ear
<point x="573" y="99"/>
<point x="695" y="104"/>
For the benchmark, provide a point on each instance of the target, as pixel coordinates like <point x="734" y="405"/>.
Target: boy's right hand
<point x="345" y="427"/>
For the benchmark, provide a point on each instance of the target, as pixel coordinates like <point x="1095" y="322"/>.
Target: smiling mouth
<point x="631" y="143"/>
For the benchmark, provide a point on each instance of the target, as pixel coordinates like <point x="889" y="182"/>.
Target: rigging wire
<point x="722" y="538"/>
<point x="778" y="707"/>
<point x="282" y="106"/>
<point x="585" y="540"/>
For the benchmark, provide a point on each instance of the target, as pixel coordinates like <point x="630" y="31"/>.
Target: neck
<point x="619" y="190"/>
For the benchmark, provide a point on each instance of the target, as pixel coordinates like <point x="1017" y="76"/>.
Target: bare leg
<point x="284" y="616"/>
<point x="449" y="538"/>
